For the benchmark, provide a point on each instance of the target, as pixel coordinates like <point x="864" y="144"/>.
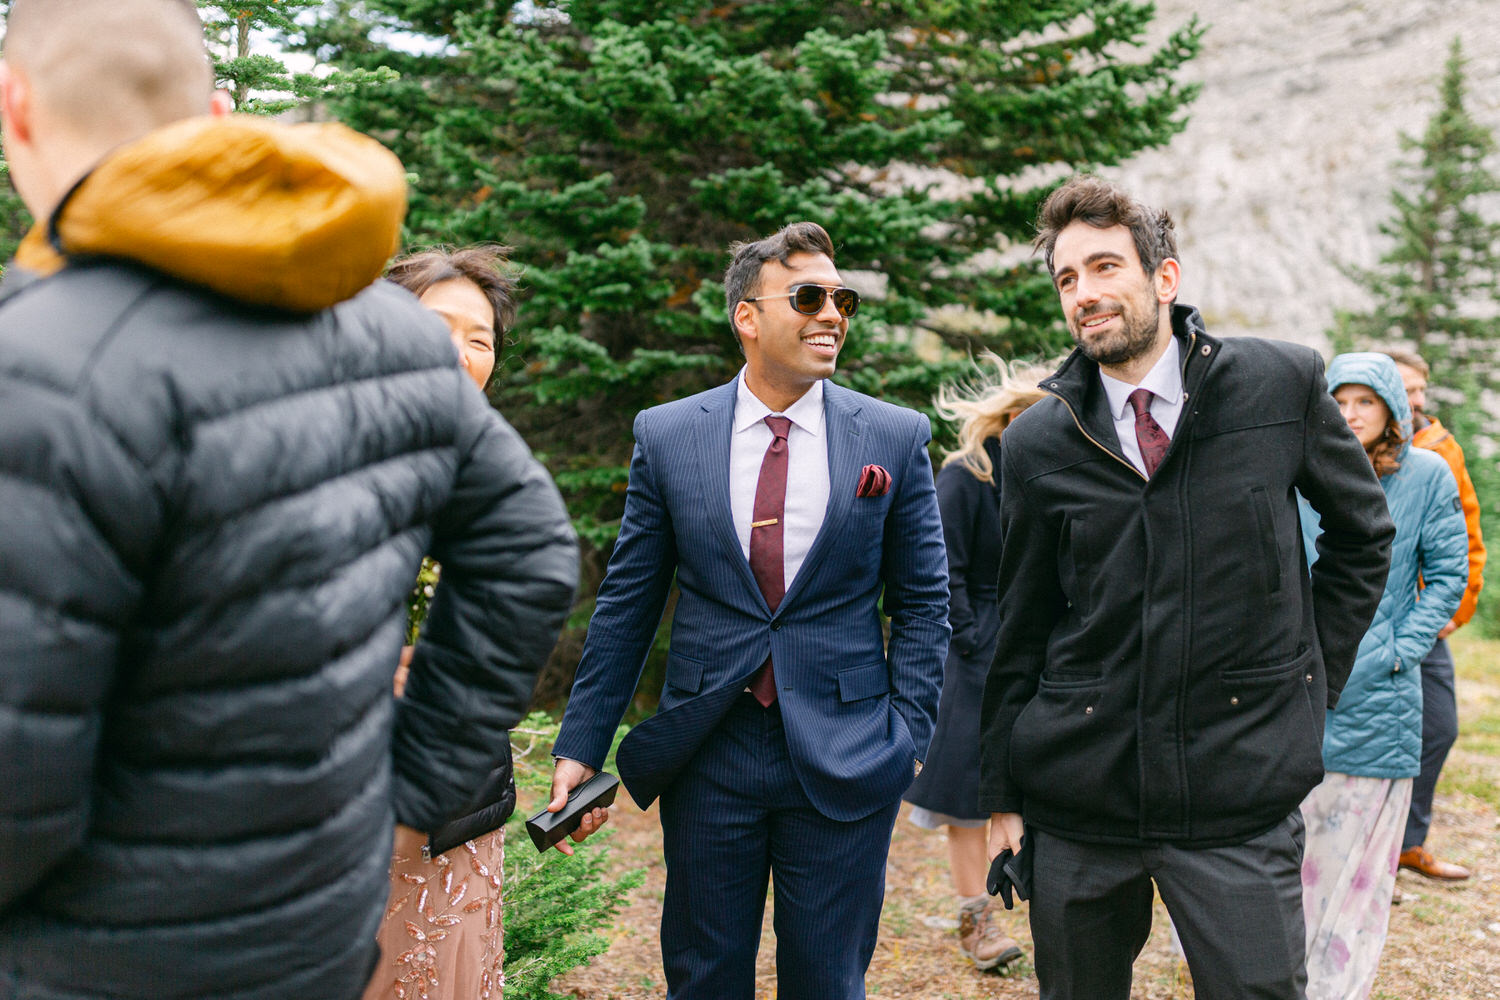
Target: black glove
<point x="1011" y="872"/>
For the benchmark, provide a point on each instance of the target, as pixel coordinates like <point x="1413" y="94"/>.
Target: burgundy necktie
<point x="766" y="545"/>
<point x="1148" y="433"/>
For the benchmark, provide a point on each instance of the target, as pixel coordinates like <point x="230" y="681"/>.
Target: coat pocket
<point x="684" y="673"/>
<point x="1077" y="566"/>
<point x="866" y="680"/>
<point x="1265" y="525"/>
<point x="1070" y="750"/>
<point x="1259" y="743"/>
<point x="1269" y="672"/>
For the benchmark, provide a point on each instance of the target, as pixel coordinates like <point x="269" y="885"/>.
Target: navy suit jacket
<point x="856" y="711"/>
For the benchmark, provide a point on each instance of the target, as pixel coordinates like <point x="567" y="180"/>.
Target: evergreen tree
<point x="1445" y="254"/>
<point x="14" y="219"/>
<point x="622" y="145"/>
<point x="555" y="906"/>
<point x="258" y="81"/>
<point x="1438" y="286"/>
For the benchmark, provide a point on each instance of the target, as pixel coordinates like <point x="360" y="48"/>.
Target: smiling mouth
<point x="825" y="340"/>
<point x="1096" y="321"/>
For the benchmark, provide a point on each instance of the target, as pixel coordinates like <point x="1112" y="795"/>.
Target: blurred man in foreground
<point x="224" y="455"/>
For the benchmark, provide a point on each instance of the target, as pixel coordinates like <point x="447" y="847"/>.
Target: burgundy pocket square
<point x="874" y="481"/>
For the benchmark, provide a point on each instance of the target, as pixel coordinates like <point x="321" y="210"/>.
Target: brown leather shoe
<point x="1420" y="860"/>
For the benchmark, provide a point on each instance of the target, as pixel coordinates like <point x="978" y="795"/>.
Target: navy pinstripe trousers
<point x="737" y="816"/>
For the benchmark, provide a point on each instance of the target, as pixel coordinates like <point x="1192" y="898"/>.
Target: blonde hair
<point x="985" y="406"/>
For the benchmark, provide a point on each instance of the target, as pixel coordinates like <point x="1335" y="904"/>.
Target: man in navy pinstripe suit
<point x="791" y="512"/>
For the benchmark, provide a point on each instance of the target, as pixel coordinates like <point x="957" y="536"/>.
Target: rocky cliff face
<point x="1285" y="169"/>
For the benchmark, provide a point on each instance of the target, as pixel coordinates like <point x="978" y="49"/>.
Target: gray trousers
<point x="1439" y="730"/>
<point x="1237" y="909"/>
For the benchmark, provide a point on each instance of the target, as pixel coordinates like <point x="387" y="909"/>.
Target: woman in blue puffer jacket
<point x="1373" y="741"/>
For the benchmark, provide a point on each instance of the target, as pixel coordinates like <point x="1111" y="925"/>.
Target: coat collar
<point x="1076" y="383"/>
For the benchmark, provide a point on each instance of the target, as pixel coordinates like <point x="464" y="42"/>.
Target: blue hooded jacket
<point x="1376" y="730"/>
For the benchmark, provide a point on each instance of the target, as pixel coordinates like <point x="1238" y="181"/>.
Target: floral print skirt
<point x="1354" y="828"/>
<point x="442" y="938"/>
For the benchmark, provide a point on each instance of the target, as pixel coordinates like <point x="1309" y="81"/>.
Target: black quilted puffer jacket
<point x="212" y="514"/>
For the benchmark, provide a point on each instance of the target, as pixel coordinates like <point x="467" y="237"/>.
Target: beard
<point x="1136" y="335"/>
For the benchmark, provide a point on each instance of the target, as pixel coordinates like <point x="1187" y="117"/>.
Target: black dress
<point x="949" y="782"/>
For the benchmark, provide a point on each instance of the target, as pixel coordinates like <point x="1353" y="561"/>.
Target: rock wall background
<point x="1285" y="168"/>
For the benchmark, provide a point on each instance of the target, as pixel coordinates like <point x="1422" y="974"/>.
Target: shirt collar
<point x="806" y="412"/>
<point x="1164" y="380"/>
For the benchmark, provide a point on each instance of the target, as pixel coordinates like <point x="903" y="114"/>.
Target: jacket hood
<point x="1379" y="373"/>
<point x="297" y="217"/>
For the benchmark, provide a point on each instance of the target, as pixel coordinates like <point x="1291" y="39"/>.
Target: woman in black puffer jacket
<point x="442" y="936"/>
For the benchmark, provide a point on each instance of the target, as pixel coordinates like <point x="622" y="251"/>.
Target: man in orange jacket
<point x="1439" y="703"/>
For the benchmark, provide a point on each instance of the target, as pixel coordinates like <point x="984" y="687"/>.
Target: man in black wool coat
<point x="1154" y="711"/>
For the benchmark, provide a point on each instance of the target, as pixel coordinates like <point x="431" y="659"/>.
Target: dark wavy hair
<point x="742" y="279"/>
<point x="484" y="264"/>
<point x="1100" y="204"/>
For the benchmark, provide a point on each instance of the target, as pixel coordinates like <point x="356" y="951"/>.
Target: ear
<point x="15" y="103"/>
<point x="220" y="104"/>
<point x="746" y="319"/>
<point x="1168" y="276"/>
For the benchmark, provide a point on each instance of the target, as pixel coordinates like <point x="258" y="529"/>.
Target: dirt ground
<point x="1444" y="940"/>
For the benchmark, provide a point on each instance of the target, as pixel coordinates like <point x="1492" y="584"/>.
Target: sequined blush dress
<point x="442" y="937"/>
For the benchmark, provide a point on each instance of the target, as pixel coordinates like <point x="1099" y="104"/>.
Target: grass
<point x="1477" y="659"/>
<point x="1470" y="770"/>
<point x="1435" y="950"/>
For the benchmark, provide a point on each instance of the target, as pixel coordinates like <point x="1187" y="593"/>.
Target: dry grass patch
<point x="1444" y="942"/>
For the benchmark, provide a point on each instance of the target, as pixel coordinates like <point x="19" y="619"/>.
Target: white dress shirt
<point x="806" y="471"/>
<point x="1165" y="380"/>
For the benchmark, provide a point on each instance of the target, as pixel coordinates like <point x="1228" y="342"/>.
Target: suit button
<point x="1309" y="678"/>
<point x="1235" y="700"/>
<point x="776" y="626"/>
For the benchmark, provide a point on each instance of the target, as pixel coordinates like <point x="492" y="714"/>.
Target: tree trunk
<point x="241" y="50"/>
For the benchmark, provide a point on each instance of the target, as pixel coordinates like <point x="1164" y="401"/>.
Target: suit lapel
<point x="843" y="425"/>
<point x="713" y="430"/>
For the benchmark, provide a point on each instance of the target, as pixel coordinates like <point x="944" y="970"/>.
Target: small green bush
<point x="554" y="905"/>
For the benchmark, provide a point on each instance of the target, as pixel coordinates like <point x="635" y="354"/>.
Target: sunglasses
<point x="808" y="299"/>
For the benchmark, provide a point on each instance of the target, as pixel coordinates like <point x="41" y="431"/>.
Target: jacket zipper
<point x="1187" y="356"/>
<point x="1092" y="440"/>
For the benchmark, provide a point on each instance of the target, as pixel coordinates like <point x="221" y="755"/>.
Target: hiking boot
<point x="981" y="941"/>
